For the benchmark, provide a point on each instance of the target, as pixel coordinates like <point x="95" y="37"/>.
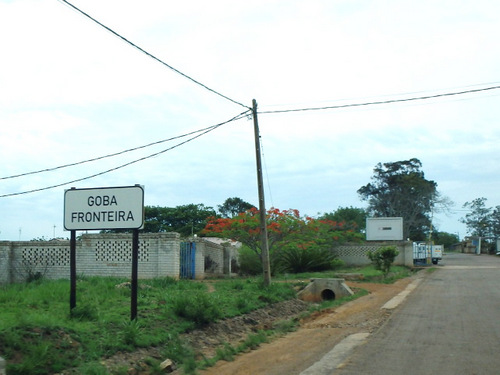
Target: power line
<point x="390" y="101"/>
<point x="105" y="156"/>
<point x="209" y="129"/>
<point x="151" y="55"/>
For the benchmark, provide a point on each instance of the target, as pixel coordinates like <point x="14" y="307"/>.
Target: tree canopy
<point x="481" y="220"/>
<point x="187" y="219"/>
<point x="233" y="206"/>
<point x="295" y="242"/>
<point x="353" y="217"/>
<point x="399" y="189"/>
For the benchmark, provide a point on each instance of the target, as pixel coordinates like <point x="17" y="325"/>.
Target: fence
<point x="159" y="256"/>
<point x="110" y="255"/>
<point x="355" y="254"/>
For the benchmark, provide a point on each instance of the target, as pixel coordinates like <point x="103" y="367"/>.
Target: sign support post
<point x="72" y="270"/>
<point x="133" y="284"/>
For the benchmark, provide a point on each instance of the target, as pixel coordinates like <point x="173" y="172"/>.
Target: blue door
<point x="188" y="252"/>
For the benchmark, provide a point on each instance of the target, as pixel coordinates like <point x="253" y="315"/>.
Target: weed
<point x="199" y="307"/>
<point x="84" y="312"/>
<point x="285" y="326"/>
<point x="131" y="331"/>
<point x="93" y="368"/>
<point x="226" y="353"/>
<point x="253" y="341"/>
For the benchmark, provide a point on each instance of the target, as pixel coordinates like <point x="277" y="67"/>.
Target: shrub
<point x="199" y="307"/>
<point x="250" y="263"/>
<point x="383" y="258"/>
<point x="131" y="331"/>
<point x="296" y="259"/>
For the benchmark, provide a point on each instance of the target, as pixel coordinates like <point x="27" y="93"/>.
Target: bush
<point x="383" y="258"/>
<point x="296" y="260"/>
<point x="199" y="307"/>
<point x="250" y="263"/>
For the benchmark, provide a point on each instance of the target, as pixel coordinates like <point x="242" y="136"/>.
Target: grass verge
<point x="39" y="335"/>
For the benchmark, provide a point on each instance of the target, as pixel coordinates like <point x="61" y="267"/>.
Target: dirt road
<point x="316" y="336"/>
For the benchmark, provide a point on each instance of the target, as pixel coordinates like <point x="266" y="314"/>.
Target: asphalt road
<point x="448" y="325"/>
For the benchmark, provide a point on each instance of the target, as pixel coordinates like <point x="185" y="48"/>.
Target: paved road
<point x="449" y="325"/>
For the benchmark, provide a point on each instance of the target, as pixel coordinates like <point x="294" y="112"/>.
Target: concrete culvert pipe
<point x="324" y="289"/>
<point x="327" y="295"/>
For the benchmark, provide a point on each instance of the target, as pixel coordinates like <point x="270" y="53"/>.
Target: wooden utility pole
<point x="262" y="205"/>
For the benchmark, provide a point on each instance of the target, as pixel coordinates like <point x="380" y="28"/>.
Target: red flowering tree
<point x="296" y="243"/>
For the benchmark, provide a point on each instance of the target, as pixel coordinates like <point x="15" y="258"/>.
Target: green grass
<point x="39" y="335"/>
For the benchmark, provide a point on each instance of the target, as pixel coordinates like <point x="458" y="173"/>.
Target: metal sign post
<point x="133" y="284"/>
<point x="72" y="270"/>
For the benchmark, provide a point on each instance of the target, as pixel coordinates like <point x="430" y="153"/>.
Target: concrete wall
<point x="105" y="255"/>
<point x="111" y="255"/>
<point x="356" y="254"/>
<point x="5" y="251"/>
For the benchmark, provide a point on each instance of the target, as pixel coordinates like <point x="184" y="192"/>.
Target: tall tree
<point x="495" y="222"/>
<point x="399" y="189"/>
<point x="233" y="206"/>
<point x="187" y="219"/>
<point x="480" y="219"/>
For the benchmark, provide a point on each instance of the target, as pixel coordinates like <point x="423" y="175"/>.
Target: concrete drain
<point x="324" y="290"/>
<point x="327" y="295"/>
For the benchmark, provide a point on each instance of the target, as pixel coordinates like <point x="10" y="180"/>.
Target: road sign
<point x="104" y="208"/>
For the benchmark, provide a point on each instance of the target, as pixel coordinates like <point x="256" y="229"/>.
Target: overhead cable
<point x="209" y="129"/>
<point x="106" y="156"/>
<point x="151" y="55"/>
<point x="390" y="101"/>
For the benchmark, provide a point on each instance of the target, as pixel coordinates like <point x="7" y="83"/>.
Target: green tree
<point x="187" y="219"/>
<point x="480" y="219"/>
<point x="292" y="239"/>
<point x="400" y="189"/>
<point x="445" y="239"/>
<point x="353" y="217"/>
<point x="495" y="222"/>
<point x="233" y="206"/>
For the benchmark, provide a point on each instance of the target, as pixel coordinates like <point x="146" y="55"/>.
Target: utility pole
<point x="262" y="205"/>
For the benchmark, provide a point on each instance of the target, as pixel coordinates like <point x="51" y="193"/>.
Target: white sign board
<point x="384" y="229"/>
<point x="104" y="208"/>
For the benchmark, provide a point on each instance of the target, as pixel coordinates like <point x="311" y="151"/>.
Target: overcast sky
<point x="71" y="91"/>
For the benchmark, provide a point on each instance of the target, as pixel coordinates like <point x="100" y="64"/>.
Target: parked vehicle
<point x="423" y="251"/>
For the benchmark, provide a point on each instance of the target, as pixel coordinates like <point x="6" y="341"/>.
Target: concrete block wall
<point x="5" y="251"/>
<point x="105" y="254"/>
<point x="168" y="261"/>
<point x="111" y="255"/>
<point x="213" y="255"/>
<point x="356" y="254"/>
<point x="49" y="259"/>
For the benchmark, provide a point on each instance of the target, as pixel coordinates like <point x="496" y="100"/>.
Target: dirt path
<point x="316" y="336"/>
